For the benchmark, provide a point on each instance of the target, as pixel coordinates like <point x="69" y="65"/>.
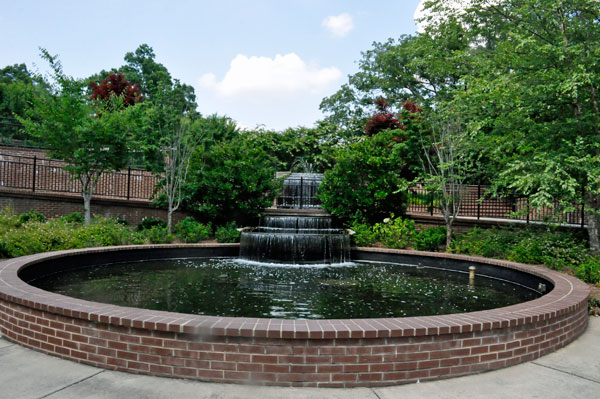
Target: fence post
<point x="527" y="209"/>
<point x="34" y="172"/>
<point x="431" y="202"/>
<point x="478" y="201"/>
<point x="301" y="190"/>
<point x="128" y="182"/>
<point x="583" y="207"/>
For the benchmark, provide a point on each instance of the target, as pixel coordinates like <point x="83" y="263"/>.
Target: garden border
<point x="324" y="353"/>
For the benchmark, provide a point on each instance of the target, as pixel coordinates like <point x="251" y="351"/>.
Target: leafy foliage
<point x="395" y="232"/>
<point x="430" y="239"/>
<point x="149" y="222"/>
<point x="227" y="233"/>
<point x="74" y="217"/>
<point x="189" y="230"/>
<point x="231" y="180"/>
<point x="367" y="178"/>
<point x="555" y="249"/>
<point x="31" y="216"/>
<point x="116" y="85"/>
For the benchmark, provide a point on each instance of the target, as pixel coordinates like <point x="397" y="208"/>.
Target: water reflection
<point x="230" y="287"/>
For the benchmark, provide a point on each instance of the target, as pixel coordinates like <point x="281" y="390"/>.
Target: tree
<point x="532" y="103"/>
<point x="174" y="137"/>
<point x="231" y="180"/>
<point x="18" y="87"/>
<point x="92" y="136"/>
<point x="384" y="119"/>
<point x="116" y="85"/>
<point x="425" y="68"/>
<point x="367" y="179"/>
<point x="446" y="166"/>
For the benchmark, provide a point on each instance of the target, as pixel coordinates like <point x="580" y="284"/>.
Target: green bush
<point x="121" y="221"/>
<point x="74" y="217"/>
<point x="227" y="233"/>
<point x="589" y="270"/>
<point x="430" y="239"/>
<point x="188" y="230"/>
<point x="395" y="232"/>
<point x="149" y="222"/>
<point x="558" y="250"/>
<point x="57" y="234"/>
<point x="158" y="235"/>
<point x="367" y="178"/>
<point x="363" y="234"/>
<point x="31" y="216"/>
<point x="233" y="180"/>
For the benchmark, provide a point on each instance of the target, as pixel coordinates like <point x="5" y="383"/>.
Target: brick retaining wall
<point x="54" y="205"/>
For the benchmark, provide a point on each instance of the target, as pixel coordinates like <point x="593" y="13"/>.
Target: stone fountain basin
<point x="326" y="353"/>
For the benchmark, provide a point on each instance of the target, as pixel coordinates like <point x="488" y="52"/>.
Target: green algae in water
<point x="231" y="287"/>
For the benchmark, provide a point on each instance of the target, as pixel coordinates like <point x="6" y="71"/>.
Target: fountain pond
<point x="292" y="305"/>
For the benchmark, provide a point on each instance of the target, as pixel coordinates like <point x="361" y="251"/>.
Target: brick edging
<point x="352" y="352"/>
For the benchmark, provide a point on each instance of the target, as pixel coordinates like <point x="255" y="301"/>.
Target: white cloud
<point x="339" y="25"/>
<point x="282" y="75"/>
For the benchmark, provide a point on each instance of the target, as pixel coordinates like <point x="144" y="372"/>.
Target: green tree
<point x="231" y="180"/>
<point x="91" y="136"/>
<point x="171" y="137"/>
<point x="532" y="102"/>
<point x="367" y="179"/>
<point x="18" y="88"/>
<point x="425" y="68"/>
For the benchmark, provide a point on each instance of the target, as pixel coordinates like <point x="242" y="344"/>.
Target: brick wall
<point x="308" y="353"/>
<point x="55" y="205"/>
<point x="340" y="362"/>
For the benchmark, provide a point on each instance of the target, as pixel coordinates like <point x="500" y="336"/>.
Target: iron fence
<point x="48" y="175"/>
<point x="478" y="203"/>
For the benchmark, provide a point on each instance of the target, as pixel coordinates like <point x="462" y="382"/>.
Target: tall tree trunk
<point x="592" y="204"/>
<point x="448" y="233"/>
<point x="170" y="220"/>
<point x="87" y="211"/>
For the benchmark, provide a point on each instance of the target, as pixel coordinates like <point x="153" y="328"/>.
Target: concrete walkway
<point x="572" y="372"/>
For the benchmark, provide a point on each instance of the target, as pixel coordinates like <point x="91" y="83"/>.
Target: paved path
<point x="572" y="372"/>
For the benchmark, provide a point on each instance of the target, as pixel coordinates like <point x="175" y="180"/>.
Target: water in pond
<point x="231" y="287"/>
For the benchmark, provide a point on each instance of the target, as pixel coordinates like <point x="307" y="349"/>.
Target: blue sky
<point x="261" y="62"/>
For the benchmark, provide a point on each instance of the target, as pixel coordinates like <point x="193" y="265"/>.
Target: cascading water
<point x="299" y="231"/>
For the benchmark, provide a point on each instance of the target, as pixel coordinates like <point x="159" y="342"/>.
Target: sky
<point x="264" y="63"/>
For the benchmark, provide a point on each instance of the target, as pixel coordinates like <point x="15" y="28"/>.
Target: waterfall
<point x="299" y="232"/>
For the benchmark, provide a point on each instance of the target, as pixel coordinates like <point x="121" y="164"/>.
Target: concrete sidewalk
<point x="572" y="372"/>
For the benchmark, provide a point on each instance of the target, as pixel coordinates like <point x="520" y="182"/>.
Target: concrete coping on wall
<point x="567" y="296"/>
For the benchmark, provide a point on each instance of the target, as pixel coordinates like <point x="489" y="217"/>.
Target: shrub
<point x="589" y="270"/>
<point x="555" y="249"/>
<point x="395" y="232"/>
<point x="57" y="234"/>
<point x="31" y="216"/>
<point x="227" y="233"/>
<point x="188" y="230"/>
<point x="121" y="221"/>
<point x="233" y="180"/>
<point x="158" y="235"/>
<point x="430" y="239"/>
<point x="363" y="234"/>
<point x="149" y="222"/>
<point x="368" y="177"/>
<point x="74" y="217"/>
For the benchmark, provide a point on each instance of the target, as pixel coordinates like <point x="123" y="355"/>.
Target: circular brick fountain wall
<point x="324" y="353"/>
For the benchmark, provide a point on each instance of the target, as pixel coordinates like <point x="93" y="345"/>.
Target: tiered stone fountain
<point x="297" y="230"/>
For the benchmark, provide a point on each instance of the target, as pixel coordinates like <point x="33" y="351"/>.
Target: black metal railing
<point x="48" y="175"/>
<point x="300" y="192"/>
<point x="478" y="203"/>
